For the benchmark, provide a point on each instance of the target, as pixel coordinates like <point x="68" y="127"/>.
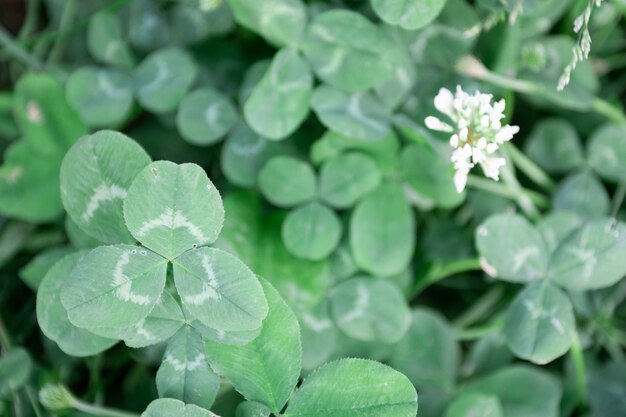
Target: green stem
<point x="497" y="188"/>
<point x="69" y="11"/>
<point x="33" y="401"/>
<point x="473" y="68"/>
<point x="479" y="332"/>
<point x="618" y="198"/>
<point x="481" y="307"/>
<point x="5" y="340"/>
<point x="441" y="271"/>
<point x="31" y="19"/>
<point x="578" y="361"/>
<point x="17" y="51"/>
<point x="100" y="411"/>
<point x="528" y="167"/>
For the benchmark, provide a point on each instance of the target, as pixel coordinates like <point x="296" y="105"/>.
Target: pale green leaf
<point x="556" y="226"/>
<point x="169" y="407"/>
<point x="591" y="257"/>
<point x="319" y="335"/>
<point x="346" y="178"/>
<point x="540" y="323"/>
<point x="114" y="286"/>
<point x="370" y="309"/>
<point x="267" y="369"/>
<point x="15" y="368"/>
<point x="280" y="101"/>
<point x="219" y="290"/>
<point x="184" y="373"/>
<point x="345" y="50"/>
<point x="408" y="14"/>
<point x="53" y="318"/>
<point x="102" y="97"/>
<point x="382" y="231"/>
<point x="359" y="115"/>
<point x="354" y="388"/>
<point x="105" y="40"/>
<point x="252" y="409"/>
<point x="582" y="194"/>
<point x="163" y="79"/>
<point x="512" y="248"/>
<point x="311" y="231"/>
<point x="522" y="391"/>
<point x="95" y="176"/>
<point x="475" y="405"/>
<point x="286" y="181"/>
<point x="35" y="270"/>
<point x="280" y="22"/>
<point x="205" y="116"/>
<point x="173" y="208"/>
<point x="554" y="145"/>
<point x="428" y="354"/>
<point x="607" y="152"/>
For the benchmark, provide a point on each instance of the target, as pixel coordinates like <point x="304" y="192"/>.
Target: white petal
<point x="434" y="123"/>
<point x="460" y="179"/>
<point x="491" y="167"/>
<point x="492" y="147"/>
<point x="498" y="107"/>
<point x="506" y="133"/>
<point x="482" y="143"/>
<point x="454" y="141"/>
<point x="444" y="101"/>
<point x="463" y="133"/>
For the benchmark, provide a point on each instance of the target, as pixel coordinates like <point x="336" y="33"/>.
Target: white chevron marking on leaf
<point x="124" y="289"/>
<point x="173" y="220"/>
<point x="101" y="194"/>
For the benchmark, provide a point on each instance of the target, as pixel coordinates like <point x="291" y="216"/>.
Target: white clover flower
<point x="476" y="130"/>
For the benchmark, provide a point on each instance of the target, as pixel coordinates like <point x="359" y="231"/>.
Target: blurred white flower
<point x="477" y="132"/>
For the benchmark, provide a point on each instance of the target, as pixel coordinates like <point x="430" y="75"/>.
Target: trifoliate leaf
<point x="382" y="231"/>
<point x="95" y="177"/>
<point x="53" y="318"/>
<point x="286" y="181"/>
<point x="540" y="323"/>
<point x="592" y="257"/>
<point x="354" y="388"/>
<point x="205" y="116"/>
<point x="280" y="101"/>
<point x="102" y="97"/>
<point x="163" y="79"/>
<point x="359" y="115"/>
<point x="219" y="290"/>
<point x="556" y="226"/>
<point x="34" y="272"/>
<point x="184" y="373"/>
<point x="512" y="248"/>
<point x="346" y="178"/>
<point x="311" y="231"/>
<point x="345" y="50"/>
<point x="428" y="354"/>
<point x="114" y="286"/>
<point x="267" y="369"/>
<point x="173" y="208"/>
<point x="370" y="309"/>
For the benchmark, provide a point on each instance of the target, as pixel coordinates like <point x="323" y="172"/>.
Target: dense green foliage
<point x="251" y="208"/>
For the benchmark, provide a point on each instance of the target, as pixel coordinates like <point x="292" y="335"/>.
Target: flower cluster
<point x="477" y="131"/>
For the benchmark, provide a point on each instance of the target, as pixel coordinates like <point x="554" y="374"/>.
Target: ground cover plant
<point x="303" y="208"/>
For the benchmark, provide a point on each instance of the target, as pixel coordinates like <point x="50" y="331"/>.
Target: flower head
<point x="477" y="131"/>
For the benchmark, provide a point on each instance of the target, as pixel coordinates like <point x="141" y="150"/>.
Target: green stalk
<point x="69" y="11"/>
<point x="473" y="68"/>
<point x="18" y="52"/>
<point x="479" y="332"/>
<point x="497" y="188"/>
<point x="578" y="361"/>
<point x="481" y="307"/>
<point x="618" y="198"/>
<point x="528" y="167"/>
<point x="441" y="271"/>
<point x="100" y="411"/>
<point x="31" y="20"/>
<point x="5" y="340"/>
